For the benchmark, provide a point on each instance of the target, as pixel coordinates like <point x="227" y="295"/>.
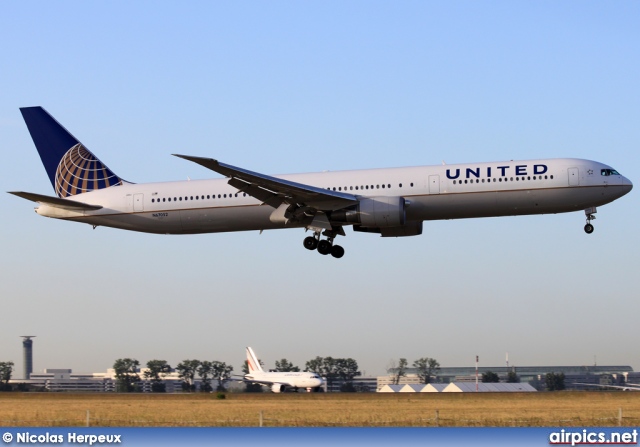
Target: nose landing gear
<point x="589" y="212"/>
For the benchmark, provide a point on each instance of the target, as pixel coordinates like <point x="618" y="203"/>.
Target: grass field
<point x="322" y="410"/>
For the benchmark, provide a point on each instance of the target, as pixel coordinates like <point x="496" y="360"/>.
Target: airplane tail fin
<point x="252" y="361"/>
<point x="71" y="167"/>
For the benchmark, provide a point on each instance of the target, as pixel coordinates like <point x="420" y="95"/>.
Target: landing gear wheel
<point x="337" y="251"/>
<point x="310" y="243"/>
<point x="589" y="212"/>
<point x="324" y="247"/>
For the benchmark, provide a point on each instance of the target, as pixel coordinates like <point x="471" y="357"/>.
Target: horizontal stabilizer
<point x="66" y="204"/>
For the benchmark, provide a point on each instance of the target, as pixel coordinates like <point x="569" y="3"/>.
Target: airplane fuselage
<point x="287" y="379"/>
<point x="433" y="192"/>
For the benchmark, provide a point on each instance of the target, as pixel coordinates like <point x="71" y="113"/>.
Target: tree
<point x="555" y="382"/>
<point x="222" y="372"/>
<point x="347" y="370"/>
<point x="126" y="372"/>
<point x="325" y="367"/>
<point x="157" y="371"/>
<point x="400" y="371"/>
<point x="332" y="369"/>
<point x="285" y="366"/>
<point x="205" y="371"/>
<point x="6" y="369"/>
<point x="426" y="367"/>
<point x="187" y="372"/>
<point x="490" y="377"/>
<point x="314" y="365"/>
<point x="512" y="377"/>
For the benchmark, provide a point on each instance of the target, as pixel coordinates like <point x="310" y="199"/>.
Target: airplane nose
<point x="627" y="183"/>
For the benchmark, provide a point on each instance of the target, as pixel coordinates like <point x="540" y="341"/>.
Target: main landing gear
<point x="324" y="246"/>
<point x="588" y="228"/>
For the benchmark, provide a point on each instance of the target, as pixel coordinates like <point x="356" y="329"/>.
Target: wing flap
<point x="57" y="202"/>
<point x="273" y="191"/>
<point x="264" y="195"/>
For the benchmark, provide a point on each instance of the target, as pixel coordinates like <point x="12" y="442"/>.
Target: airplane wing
<point x="57" y="202"/>
<point x="274" y="191"/>
<point x="266" y="382"/>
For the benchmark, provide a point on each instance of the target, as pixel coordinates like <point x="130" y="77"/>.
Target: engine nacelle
<point x="277" y="388"/>
<point x="375" y="212"/>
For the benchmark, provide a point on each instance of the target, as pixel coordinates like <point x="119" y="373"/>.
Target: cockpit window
<point x="609" y="172"/>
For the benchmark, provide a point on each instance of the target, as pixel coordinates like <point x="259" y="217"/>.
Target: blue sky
<point x="280" y="87"/>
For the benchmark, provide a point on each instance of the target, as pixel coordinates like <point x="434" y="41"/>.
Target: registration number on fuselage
<point x="160" y="215"/>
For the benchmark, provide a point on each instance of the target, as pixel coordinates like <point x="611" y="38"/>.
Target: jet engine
<point x="277" y="388"/>
<point x="374" y="212"/>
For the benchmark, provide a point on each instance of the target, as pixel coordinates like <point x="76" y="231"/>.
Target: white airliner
<point x="392" y="202"/>
<point x="279" y="381"/>
<point x="628" y="387"/>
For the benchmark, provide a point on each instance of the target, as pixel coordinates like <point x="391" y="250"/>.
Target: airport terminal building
<point x="575" y="376"/>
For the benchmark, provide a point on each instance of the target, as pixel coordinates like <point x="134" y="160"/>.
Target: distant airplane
<point x="280" y="381"/>
<point x="392" y="202"/>
<point x="627" y="387"/>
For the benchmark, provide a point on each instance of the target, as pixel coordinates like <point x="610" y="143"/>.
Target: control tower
<point x="27" y="345"/>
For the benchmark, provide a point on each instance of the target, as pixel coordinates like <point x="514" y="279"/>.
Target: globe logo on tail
<point x="80" y="171"/>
